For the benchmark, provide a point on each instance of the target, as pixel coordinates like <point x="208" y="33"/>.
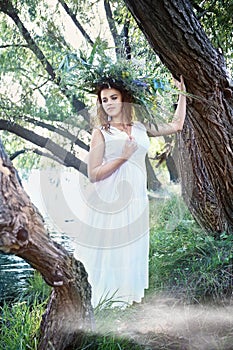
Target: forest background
<point x="47" y="50"/>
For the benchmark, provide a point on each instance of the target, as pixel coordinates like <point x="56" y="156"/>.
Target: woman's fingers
<point x="180" y="84"/>
<point x="129" y="148"/>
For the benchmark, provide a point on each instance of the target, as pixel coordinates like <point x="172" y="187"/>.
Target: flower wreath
<point x="143" y="89"/>
<point x="88" y="75"/>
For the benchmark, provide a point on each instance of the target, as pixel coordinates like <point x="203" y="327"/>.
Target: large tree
<point x="176" y="35"/>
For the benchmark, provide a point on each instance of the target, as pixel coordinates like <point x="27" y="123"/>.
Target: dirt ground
<point x="167" y="323"/>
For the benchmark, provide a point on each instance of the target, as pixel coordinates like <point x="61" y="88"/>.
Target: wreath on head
<point x="126" y="75"/>
<point x="89" y="74"/>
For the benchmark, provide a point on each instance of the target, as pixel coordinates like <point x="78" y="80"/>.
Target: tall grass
<point x="20" y="320"/>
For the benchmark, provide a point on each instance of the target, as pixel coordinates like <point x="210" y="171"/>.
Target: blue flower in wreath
<point x="140" y="83"/>
<point x="158" y="84"/>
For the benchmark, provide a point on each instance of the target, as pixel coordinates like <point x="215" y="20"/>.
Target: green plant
<point x="36" y="288"/>
<point x="20" y="321"/>
<point x="19" y="325"/>
<point x="109" y="342"/>
<point x="184" y="260"/>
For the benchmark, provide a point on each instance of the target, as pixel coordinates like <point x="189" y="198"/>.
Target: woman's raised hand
<point x="180" y="84"/>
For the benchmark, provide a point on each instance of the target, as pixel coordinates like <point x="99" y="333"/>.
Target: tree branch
<point x="36" y="151"/>
<point x="13" y="45"/>
<point x="67" y="158"/>
<point x="33" y="89"/>
<point x="76" y="22"/>
<point x="127" y="46"/>
<point x="65" y="133"/>
<point x="112" y="26"/>
<point x="200" y="11"/>
<point x="9" y="10"/>
<point x="12" y="13"/>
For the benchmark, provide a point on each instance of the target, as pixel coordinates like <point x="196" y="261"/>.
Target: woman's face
<point x="111" y="100"/>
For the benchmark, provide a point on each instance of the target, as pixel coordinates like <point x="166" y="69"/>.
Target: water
<point x="14" y="273"/>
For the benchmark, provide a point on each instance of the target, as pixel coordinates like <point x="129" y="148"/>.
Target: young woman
<point x="115" y="251"/>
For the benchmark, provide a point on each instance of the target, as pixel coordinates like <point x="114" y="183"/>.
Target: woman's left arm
<point x="179" y="116"/>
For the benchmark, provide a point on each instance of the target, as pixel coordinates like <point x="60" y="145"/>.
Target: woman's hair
<point x="127" y="100"/>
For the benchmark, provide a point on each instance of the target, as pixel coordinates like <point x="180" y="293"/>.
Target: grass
<point x="110" y="342"/>
<point x="20" y="320"/>
<point x="184" y="262"/>
<point x="19" y="325"/>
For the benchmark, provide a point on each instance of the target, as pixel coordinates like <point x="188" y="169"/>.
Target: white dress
<point x="114" y="243"/>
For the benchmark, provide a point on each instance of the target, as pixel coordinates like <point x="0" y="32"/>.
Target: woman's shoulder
<point x="97" y="133"/>
<point x="101" y="131"/>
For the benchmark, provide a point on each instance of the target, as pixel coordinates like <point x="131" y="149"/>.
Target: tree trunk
<point x="69" y="312"/>
<point x="153" y="183"/>
<point x="197" y="190"/>
<point x="171" y="160"/>
<point x="178" y="38"/>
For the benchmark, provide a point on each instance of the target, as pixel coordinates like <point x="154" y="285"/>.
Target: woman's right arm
<point x="178" y="119"/>
<point x="96" y="169"/>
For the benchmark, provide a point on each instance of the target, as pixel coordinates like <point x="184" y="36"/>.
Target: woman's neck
<point x="120" y="123"/>
<point x="119" y="120"/>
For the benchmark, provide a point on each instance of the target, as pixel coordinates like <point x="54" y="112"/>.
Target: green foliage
<point x="216" y="18"/>
<point x="109" y="342"/>
<point x="19" y="325"/>
<point x="87" y="71"/>
<point x="36" y="289"/>
<point x="26" y="161"/>
<point x="184" y="260"/>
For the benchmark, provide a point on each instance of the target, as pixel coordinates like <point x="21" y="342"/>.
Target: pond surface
<point x="14" y="271"/>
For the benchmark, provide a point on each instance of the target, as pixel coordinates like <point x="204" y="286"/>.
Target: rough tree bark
<point x="69" y="311"/>
<point x="178" y="38"/>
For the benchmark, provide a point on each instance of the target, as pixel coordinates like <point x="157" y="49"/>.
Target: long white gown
<point x="113" y="243"/>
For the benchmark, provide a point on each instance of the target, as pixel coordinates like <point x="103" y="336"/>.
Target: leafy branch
<point x="65" y="157"/>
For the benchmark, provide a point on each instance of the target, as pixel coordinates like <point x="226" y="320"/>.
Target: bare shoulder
<point x="97" y="137"/>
